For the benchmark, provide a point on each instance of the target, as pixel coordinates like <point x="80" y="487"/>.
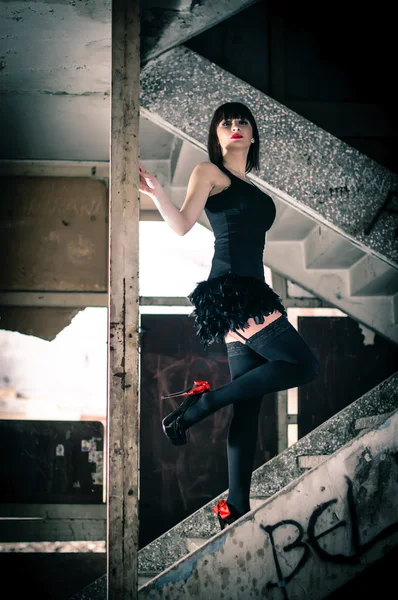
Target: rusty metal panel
<point x="353" y="361"/>
<point x="54" y="234"/>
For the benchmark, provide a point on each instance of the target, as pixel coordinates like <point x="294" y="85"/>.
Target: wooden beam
<point x="123" y="341"/>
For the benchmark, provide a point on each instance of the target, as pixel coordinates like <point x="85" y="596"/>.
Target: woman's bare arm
<point x="199" y="186"/>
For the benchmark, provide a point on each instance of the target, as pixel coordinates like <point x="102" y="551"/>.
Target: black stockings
<point x="289" y="362"/>
<point x="242" y="433"/>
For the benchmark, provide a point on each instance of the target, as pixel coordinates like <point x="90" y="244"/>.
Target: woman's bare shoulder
<point x="209" y="169"/>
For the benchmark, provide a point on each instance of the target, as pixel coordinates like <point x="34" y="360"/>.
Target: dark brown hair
<point x="233" y="110"/>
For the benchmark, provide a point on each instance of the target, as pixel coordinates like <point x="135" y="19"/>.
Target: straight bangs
<point x="233" y="110"/>
<point x="227" y="111"/>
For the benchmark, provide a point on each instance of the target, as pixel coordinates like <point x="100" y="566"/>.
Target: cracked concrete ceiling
<point x="55" y="72"/>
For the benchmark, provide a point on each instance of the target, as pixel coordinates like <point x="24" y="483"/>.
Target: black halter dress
<point x="236" y="289"/>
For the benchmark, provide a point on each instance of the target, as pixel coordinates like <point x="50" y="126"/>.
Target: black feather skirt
<point x="225" y="303"/>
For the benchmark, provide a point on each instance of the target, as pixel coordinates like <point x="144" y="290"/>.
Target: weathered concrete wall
<point x="307" y="540"/>
<point x="54" y="238"/>
<point x="54" y="234"/>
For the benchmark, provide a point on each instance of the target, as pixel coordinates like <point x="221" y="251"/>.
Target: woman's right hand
<point x="148" y="182"/>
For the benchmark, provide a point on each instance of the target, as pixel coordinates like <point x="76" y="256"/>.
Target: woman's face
<point x="234" y="132"/>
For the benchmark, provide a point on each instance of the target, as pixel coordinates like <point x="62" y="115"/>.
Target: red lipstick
<point x="236" y="136"/>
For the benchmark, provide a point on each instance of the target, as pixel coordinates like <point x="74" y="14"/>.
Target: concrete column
<point x="123" y="340"/>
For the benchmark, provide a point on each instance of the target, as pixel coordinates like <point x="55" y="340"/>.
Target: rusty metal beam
<point x="123" y="340"/>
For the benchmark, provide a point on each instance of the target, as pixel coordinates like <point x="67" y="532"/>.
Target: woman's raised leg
<point x="291" y="363"/>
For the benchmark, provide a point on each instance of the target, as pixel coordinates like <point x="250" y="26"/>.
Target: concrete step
<point x="144" y="577"/>
<point x="290" y="225"/>
<point x="369" y="422"/>
<point x="311" y="461"/>
<point x="327" y="249"/>
<point x="371" y="276"/>
<point x="194" y="543"/>
<point x="333" y="285"/>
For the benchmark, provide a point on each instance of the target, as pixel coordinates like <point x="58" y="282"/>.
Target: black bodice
<point x="240" y="215"/>
<point x="235" y="290"/>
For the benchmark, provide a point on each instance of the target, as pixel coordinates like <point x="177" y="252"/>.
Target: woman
<point x="265" y="352"/>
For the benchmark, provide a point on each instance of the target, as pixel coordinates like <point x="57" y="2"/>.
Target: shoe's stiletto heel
<point x="197" y="387"/>
<point x="172" y="426"/>
<point x="226" y="513"/>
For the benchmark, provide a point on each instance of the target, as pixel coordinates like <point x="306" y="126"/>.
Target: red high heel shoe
<point x="226" y="513"/>
<point x="172" y="426"/>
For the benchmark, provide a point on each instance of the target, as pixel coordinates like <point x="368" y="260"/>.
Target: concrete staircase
<point x="340" y="478"/>
<point x="302" y="164"/>
<point x="336" y="224"/>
